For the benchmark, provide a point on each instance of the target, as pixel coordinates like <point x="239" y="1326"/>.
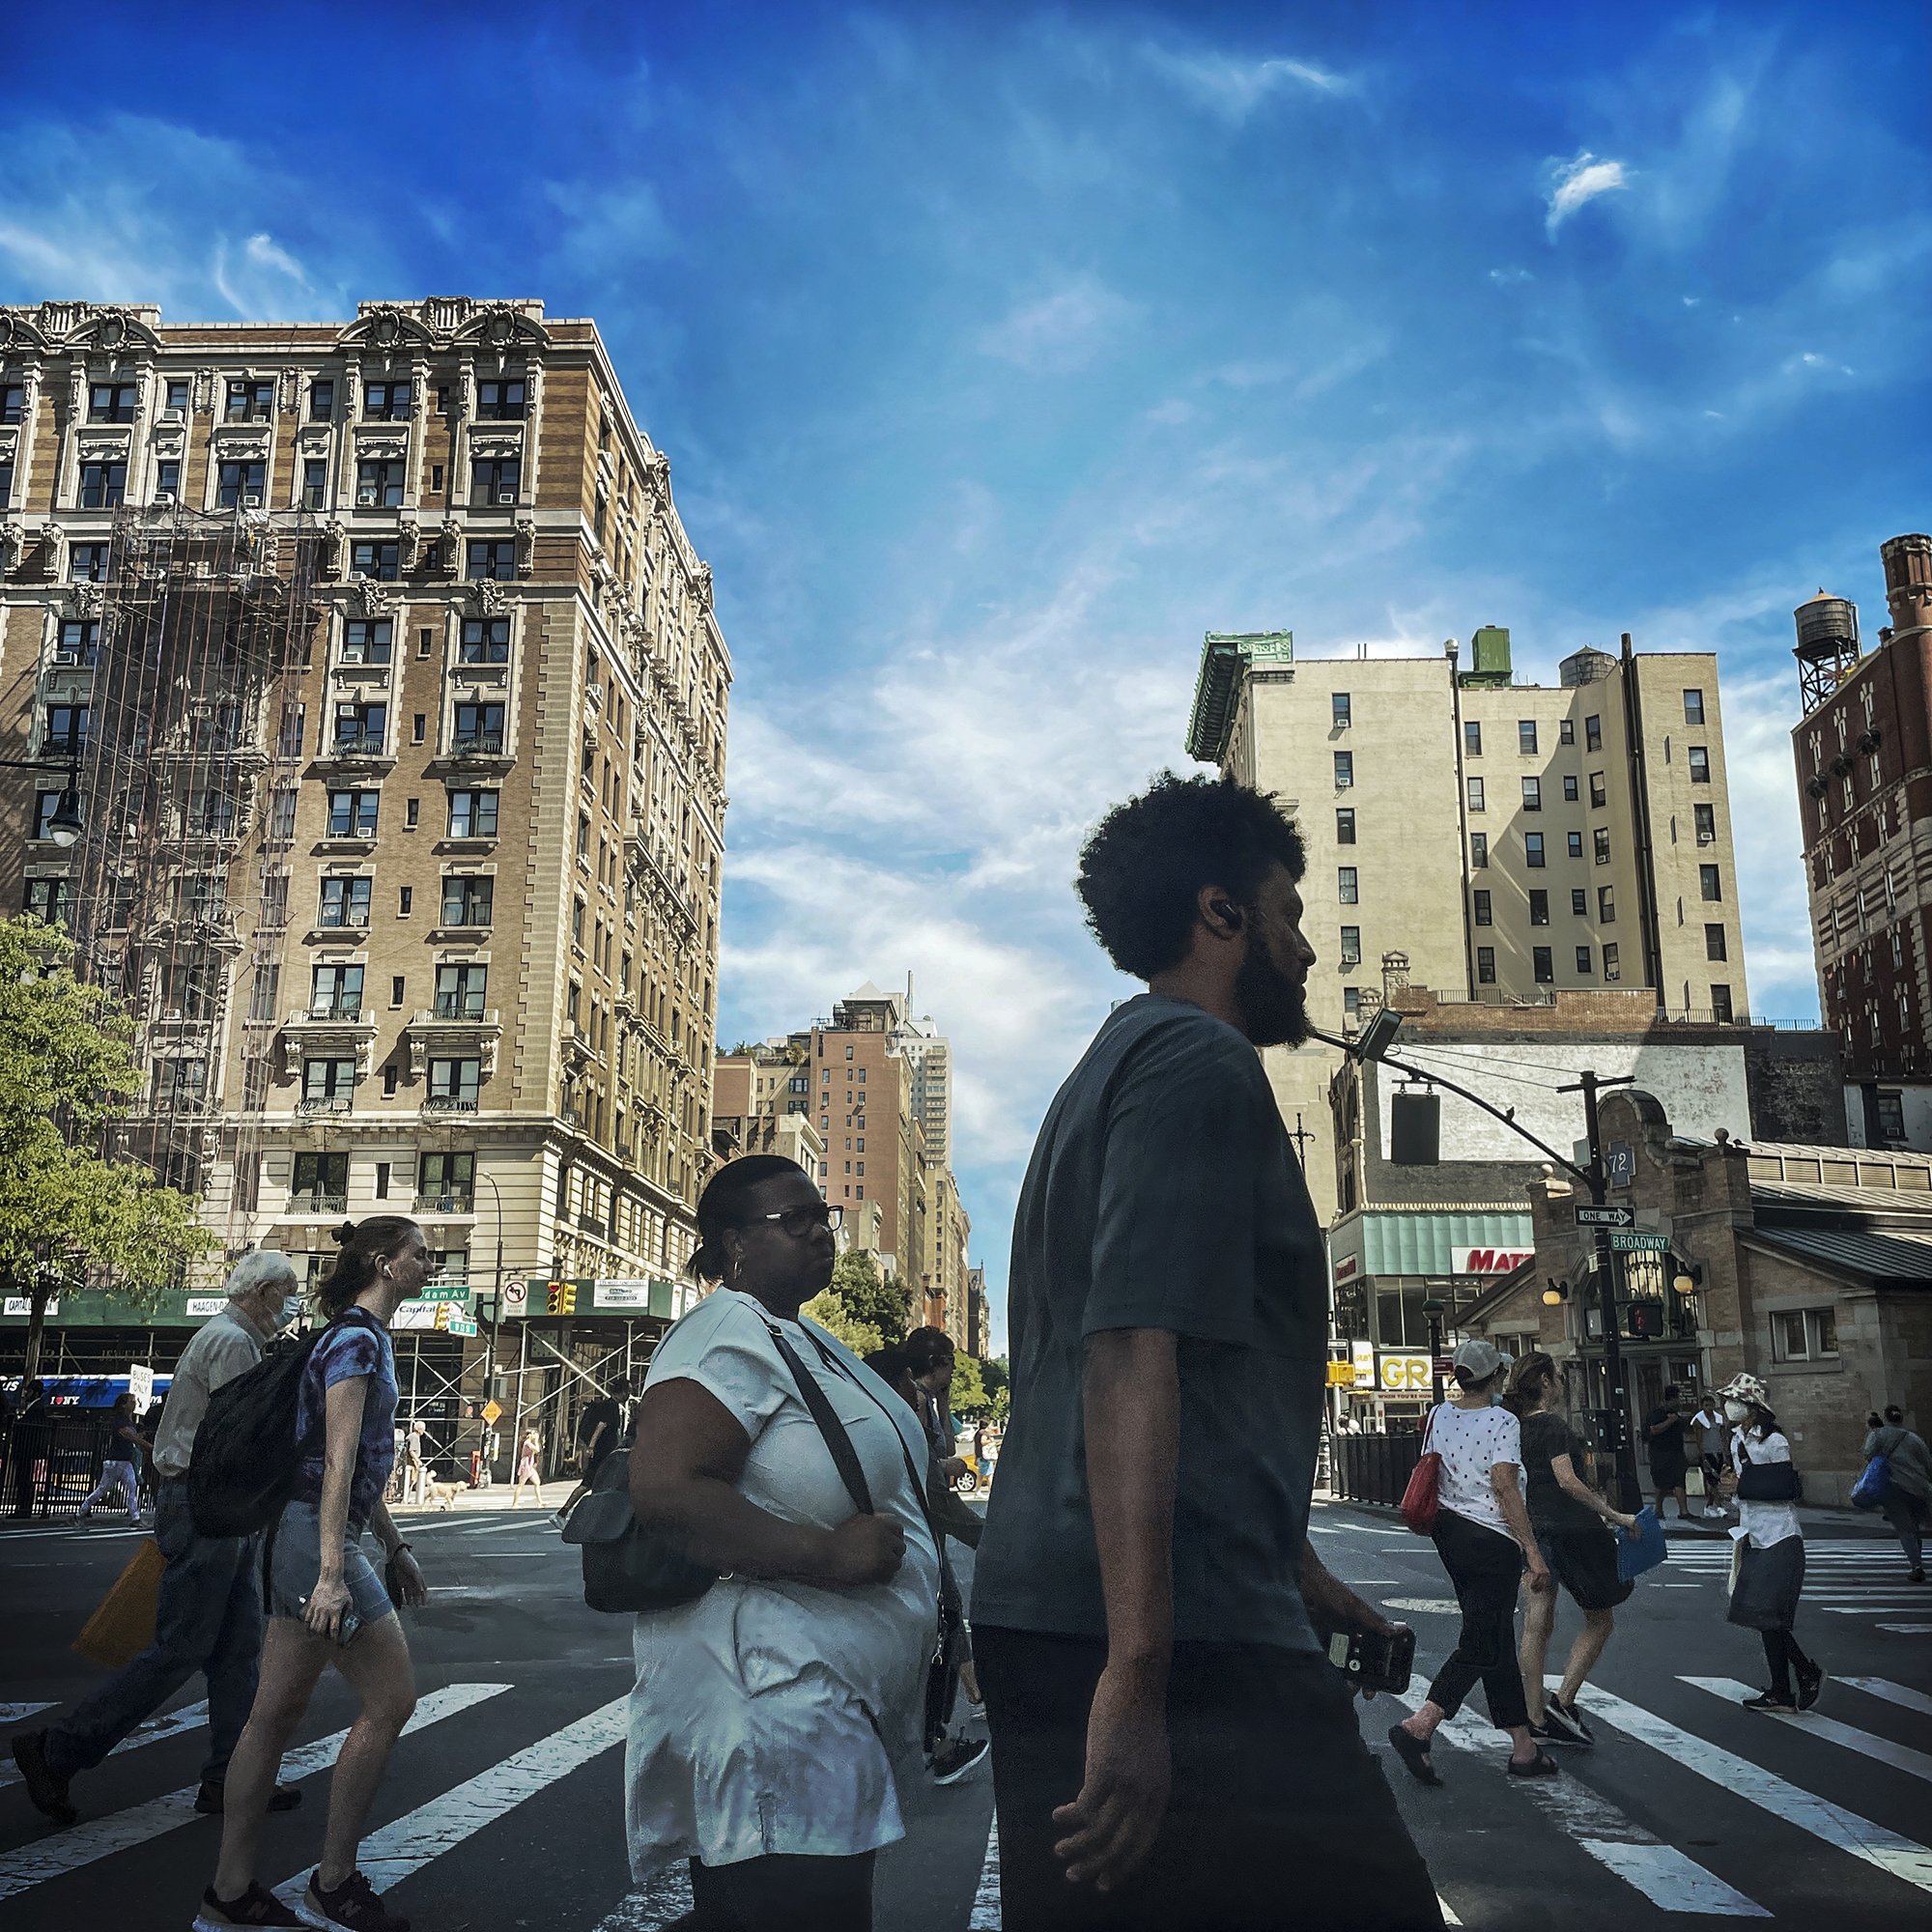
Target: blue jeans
<point x="209" y="1619"/>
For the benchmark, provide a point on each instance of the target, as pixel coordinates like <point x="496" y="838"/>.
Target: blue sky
<point x="1000" y="353"/>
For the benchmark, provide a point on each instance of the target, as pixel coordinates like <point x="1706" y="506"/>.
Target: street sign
<point x="141" y="1385"/>
<point x="460" y="1325"/>
<point x="1640" y="1245"/>
<point x="516" y="1295"/>
<point x="1621" y="1161"/>
<point x="1590" y="1216"/>
<point x="493" y="1412"/>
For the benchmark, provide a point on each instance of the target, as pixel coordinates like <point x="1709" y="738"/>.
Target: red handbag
<point x="1422" y="1498"/>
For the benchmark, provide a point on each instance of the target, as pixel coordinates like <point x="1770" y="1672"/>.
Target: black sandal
<point x="1414" y="1754"/>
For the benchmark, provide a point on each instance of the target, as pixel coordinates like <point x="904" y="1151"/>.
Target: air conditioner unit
<point x="252" y="500"/>
<point x="164" y="495"/>
<point x="359" y="577"/>
<point x="66" y="657"/>
<point x="365" y="497"/>
<point x="506" y="499"/>
<point x="171" y="415"/>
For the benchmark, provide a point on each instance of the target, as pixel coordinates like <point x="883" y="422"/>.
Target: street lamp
<point x="68" y="820"/>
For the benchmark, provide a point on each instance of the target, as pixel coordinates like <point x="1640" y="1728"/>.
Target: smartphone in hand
<point x="1370" y="1661"/>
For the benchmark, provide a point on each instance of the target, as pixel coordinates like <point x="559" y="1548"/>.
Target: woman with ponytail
<point x="773" y="1717"/>
<point x="327" y="1605"/>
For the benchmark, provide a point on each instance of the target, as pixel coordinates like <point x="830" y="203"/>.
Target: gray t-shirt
<point x="1163" y="1193"/>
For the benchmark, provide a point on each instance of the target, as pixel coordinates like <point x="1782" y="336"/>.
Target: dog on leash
<point x="443" y="1495"/>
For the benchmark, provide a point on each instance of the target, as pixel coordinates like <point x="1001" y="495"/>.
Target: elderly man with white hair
<point x="210" y="1615"/>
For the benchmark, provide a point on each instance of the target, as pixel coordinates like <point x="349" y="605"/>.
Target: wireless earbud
<point x="1228" y="911"/>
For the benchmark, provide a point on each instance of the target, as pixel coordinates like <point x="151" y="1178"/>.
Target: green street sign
<point x="1640" y="1245"/>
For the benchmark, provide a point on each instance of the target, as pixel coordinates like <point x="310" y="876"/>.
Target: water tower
<point x="1828" y="646"/>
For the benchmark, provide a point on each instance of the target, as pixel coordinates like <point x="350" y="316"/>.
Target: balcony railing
<point x="458" y="1010"/>
<point x="357" y="745"/>
<point x="344" y="1007"/>
<point x="477" y="744"/>
<point x="326" y="1103"/>
<point x="450" y="1103"/>
<point x="315" y="1201"/>
<point x="456" y="1201"/>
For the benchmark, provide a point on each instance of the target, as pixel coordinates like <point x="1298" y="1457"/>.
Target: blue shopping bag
<point x="1868" y="1491"/>
<point x="1640" y="1549"/>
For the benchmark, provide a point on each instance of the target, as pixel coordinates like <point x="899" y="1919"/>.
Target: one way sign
<point x="1590" y="1216"/>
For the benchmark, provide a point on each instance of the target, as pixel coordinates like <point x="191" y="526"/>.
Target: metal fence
<point x="1373" y="1468"/>
<point x="50" y="1462"/>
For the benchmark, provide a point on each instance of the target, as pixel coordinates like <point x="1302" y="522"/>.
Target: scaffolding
<point x="192" y="761"/>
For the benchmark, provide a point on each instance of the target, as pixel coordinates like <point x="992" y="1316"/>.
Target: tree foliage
<point x="967" y="1398"/>
<point x="830" y="1313"/>
<point x="999" y="1383"/>
<point x="67" y="1071"/>
<point x="871" y="1299"/>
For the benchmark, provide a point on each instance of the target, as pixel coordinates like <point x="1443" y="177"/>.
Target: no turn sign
<point x="516" y="1293"/>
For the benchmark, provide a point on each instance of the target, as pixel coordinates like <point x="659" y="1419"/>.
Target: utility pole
<point x="1616" y="1402"/>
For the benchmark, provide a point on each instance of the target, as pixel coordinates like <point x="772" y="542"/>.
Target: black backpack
<point x="242" y="1471"/>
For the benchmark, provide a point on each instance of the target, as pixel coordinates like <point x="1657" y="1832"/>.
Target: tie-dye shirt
<point x="355" y="1345"/>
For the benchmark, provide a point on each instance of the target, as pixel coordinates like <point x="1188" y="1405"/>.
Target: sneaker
<point x="1771" y="1701"/>
<point x="45" y="1786"/>
<point x="1809" y="1684"/>
<point x="256" y="1906"/>
<point x="1541" y="1765"/>
<point x="1414" y="1754"/>
<point x="352" y="1906"/>
<point x="1915" y="1575"/>
<point x="957" y="1756"/>
<point x="1566" y="1722"/>
<point x="1545" y="1734"/>
<point x="211" y="1802"/>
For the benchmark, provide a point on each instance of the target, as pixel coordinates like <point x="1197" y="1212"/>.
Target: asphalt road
<point x="504" y="1806"/>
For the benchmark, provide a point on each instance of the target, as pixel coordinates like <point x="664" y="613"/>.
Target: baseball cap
<point x="1476" y="1360"/>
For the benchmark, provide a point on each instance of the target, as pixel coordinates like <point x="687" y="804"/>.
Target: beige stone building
<point x="1505" y="841"/>
<point x="398" y="704"/>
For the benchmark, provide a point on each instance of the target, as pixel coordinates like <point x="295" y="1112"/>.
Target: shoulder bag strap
<point x="843" y="1455"/>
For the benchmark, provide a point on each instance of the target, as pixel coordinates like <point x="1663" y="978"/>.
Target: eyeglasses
<point x="806" y="1216"/>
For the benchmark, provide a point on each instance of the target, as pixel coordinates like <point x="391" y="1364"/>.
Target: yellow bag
<point x="122" y="1623"/>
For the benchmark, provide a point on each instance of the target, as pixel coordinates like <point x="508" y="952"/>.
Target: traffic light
<point x="562" y="1297"/>
<point x="1644" y="1321"/>
<point x="443" y="1318"/>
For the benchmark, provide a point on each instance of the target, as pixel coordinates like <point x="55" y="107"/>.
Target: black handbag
<point x="627" y="1568"/>
<point x="1770" y="1483"/>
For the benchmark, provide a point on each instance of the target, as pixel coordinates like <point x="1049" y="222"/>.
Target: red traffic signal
<point x="1644" y="1321"/>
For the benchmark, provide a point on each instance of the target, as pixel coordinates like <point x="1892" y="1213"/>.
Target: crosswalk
<point x="1862" y="1576"/>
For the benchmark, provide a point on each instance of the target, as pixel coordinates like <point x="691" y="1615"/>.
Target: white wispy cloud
<point x="1574" y="183"/>
<point x="1234" y="86"/>
<point x="1060" y="330"/>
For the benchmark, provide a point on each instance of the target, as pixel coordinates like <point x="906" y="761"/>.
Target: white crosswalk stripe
<point x="12" y="1713"/>
<point x="169" y="1724"/>
<point x="1844" y="1577"/>
<point x="1901" y="1757"/>
<point x="1901" y="1694"/>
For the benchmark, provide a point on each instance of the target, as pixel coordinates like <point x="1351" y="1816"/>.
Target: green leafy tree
<point x="871" y="1299"/>
<point x="67" y="1071"/>
<point x="967" y="1398"/>
<point x="993" y="1373"/>
<point x="830" y="1311"/>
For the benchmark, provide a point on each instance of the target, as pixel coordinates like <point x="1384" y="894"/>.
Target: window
<point x="335" y="992"/>
<point x="1612" y="972"/>
<point x="1600" y="843"/>
<point x="1593" y="734"/>
<point x="1720" y="1005"/>
<point x="398" y="990"/>
<point x="1607" y="906"/>
<point x="367" y="640"/>
<point x="1715" y="946"/>
<point x="1539" y="906"/>
<point x="1345" y="770"/>
<point x="66" y="732"/>
<point x="1480" y="901"/>
<point x="102" y="485"/>
<point x="1704" y="817"/>
<point x="110" y="403"/>
<point x="1532" y="849"/>
<point x="1532" y="794"/>
<point x="494" y="480"/>
<point x="315" y="484"/>
<point x="1339" y="710"/>
<point x="379" y="484"/>
<point x="1570" y="796"/>
<point x="79" y="640"/>
<point x="6" y="478"/>
<point x="1345" y="885"/>
<point x="1599" y="795"/>
<point x="1709" y="886"/>
<point x="468" y="898"/>
<point x="345" y="902"/>
<point x="1890" y="1116"/>
<point x="1573" y="844"/>
<point x="418" y="727"/>
<point x="1352" y="1002"/>
<point x="328" y="1079"/>
<point x="1475" y="787"/>
<point x="87" y="563"/>
<point x="250" y="399"/>
<point x="455" y="1083"/>
<point x="479" y="728"/>
<point x="381" y="562"/>
<point x="1579" y="901"/>
<point x="1526" y="736"/>
<point x="1804" y="1334"/>
<point x="388" y="402"/>
<point x="361" y="729"/>
<point x="473" y="814"/>
<point x="47" y="900"/>
<point x="1486" y="965"/>
<point x="1479" y="851"/>
<point x="1700" y="763"/>
<point x="321" y="399"/>
<point x="1472" y="737"/>
<point x="45" y="803"/>
<point x="1566" y="731"/>
<point x="239" y="485"/>
<point x="1352" y="945"/>
<point x="1541" y="965"/>
<point x="446" y="1182"/>
<point x="1583" y="961"/>
<point x="1693" y="707"/>
<point x="489" y="557"/>
<point x="501" y="401"/>
<point x="352" y="814"/>
<point x="1345" y="826"/>
<point x="486" y="641"/>
<point x="175" y="393"/>
<point x="13" y="401"/>
<point x="460" y="991"/>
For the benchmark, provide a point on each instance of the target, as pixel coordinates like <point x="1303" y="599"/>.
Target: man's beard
<point x="1274" y="1008"/>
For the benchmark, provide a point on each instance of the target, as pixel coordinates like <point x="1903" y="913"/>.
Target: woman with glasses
<point x="772" y="1718"/>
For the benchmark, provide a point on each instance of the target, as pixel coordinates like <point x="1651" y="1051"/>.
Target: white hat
<point x="1477" y="1360"/>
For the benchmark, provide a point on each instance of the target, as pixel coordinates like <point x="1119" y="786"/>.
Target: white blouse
<point x="770" y="1717"/>
<point x="1472" y="1442"/>
<point x="1764" y="1523"/>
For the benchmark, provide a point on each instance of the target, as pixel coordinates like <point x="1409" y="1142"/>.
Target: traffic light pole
<point x="1615" y="1398"/>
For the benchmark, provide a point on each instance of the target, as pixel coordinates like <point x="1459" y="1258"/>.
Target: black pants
<point x="1485" y="1565"/>
<point x="783" y="1893"/>
<point x="1279" y="1813"/>
<point x="1780" y="1653"/>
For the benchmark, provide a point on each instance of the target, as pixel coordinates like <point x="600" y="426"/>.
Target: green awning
<point x="1432" y="1242"/>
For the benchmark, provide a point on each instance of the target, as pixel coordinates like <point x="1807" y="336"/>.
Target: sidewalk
<point x="1827" y="1519"/>
<point x="496" y="1497"/>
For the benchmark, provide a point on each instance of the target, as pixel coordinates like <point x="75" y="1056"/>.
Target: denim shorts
<point x="296" y="1562"/>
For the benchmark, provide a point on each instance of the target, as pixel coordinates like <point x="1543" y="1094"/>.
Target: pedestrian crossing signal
<point x="1644" y="1320"/>
<point x="563" y="1297"/>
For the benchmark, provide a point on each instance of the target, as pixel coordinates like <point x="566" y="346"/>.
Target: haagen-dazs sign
<point x="1489" y="1261"/>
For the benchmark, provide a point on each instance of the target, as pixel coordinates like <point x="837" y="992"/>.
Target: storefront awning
<point x="1435" y="1242"/>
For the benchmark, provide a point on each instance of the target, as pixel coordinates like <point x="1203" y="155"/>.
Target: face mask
<point x="1737" y="1411"/>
